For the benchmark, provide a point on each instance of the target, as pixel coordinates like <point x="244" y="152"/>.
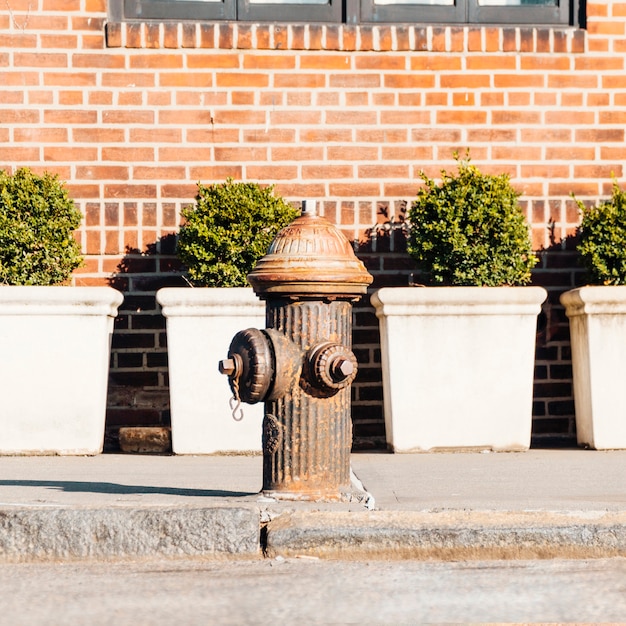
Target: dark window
<point x="531" y="12"/>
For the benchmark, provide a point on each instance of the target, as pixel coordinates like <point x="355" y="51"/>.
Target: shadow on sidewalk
<point x="114" y="488"/>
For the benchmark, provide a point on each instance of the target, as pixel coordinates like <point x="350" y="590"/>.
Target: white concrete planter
<point x="201" y="323"/>
<point x="597" y="318"/>
<point x="458" y="365"/>
<point x="55" y="344"/>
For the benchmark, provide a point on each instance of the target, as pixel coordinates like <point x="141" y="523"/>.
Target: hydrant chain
<point x="235" y="401"/>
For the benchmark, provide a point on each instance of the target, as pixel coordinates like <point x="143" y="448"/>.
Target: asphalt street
<point x="311" y="591"/>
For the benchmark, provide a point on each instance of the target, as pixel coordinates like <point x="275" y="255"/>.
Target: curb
<point x="447" y="535"/>
<point x="39" y="534"/>
<point x="46" y="534"/>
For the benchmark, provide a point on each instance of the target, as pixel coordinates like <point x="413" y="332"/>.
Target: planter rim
<point x="59" y="300"/>
<point x="208" y="301"/>
<point x="458" y="300"/>
<point x="598" y="299"/>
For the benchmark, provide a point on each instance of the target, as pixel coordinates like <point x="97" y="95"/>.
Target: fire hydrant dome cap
<point x="310" y="256"/>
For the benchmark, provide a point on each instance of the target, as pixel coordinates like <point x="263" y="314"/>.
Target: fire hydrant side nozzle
<point x="302" y="364"/>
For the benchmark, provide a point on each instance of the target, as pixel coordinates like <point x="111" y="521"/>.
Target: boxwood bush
<point x="470" y="230"/>
<point x="602" y="239"/>
<point x="37" y="222"/>
<point x="226" y="232"/>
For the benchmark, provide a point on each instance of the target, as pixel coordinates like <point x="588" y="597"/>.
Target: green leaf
<point x="470" y="230"/>
<point x="37" y="219"/>
<point x="228" y="229"/>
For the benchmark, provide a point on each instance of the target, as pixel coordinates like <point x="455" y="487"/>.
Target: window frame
<point x="462" y="12"/>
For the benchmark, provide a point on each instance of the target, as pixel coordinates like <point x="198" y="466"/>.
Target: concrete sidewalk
<point x="537" y="504"/>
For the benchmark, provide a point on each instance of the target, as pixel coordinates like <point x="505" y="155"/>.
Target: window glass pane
<point x="416" y="2"/>
<point x="517" y="3"/>
<point x="290" y="2"/>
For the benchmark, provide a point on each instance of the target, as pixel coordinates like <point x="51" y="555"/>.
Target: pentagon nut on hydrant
<point x="302" y="365"/>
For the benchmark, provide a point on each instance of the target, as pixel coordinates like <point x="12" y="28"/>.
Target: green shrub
<point x="37" y="221"/>
<point x="602" y="243"/>
<point x="470" y="230"/>
<point x="226" y="232"/>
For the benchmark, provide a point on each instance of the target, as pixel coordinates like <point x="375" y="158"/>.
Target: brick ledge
<point x="344" y="38"/>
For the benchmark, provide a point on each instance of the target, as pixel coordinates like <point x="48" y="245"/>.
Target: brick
<point x="127" y="117"/>
<point x="145" y="440"/>
<point x="299" y="80"/>
<point x="214" y="61"/>
<point x="458" y="117"/>
<point x="355" y="81"/>
<point x="601" y="135"/>
<point x="379" y="63"/>
<point x="350" y="118"/>
<point x="326" y="172"/>
<point x="463" y="99"/>
<point x="409" y="81"/>
<point x="156" y="61"/>
<point x="518" y="81"/>
<point x="354" y="189"/>
<point x="349" y="38"/>
<point x="136" y="80"/>
<point x="612" y="117"/>
<point x="239" y="79"/>
<point x="275" y="61"/>
<point x="66" y="153"/>
<point x="281" y="36"/>
<point x="492" y="39"/>
<point x="37" y="21"/>
<point x="474" y="40"/>
<point x="73" y="79"/>
<point x="402" y="117"/>
<point x="491" y="62"/>
<point x="325" y="135"/>
<point x="301" y="98"/>
<point x="383" y="136"/>
<point x="127" y="191"/>
<point x="59" y="41"/>
<point x="570" y="118"/>
<point x="191" y="117"/>
<point x="156" y="135"/>
<point x="297" y="153"/>
<point x="188" y="35"/>
<point x="272" y="172"/>
<point x="602" y="29"/>
<point x="434" y="63"/>
<point x="348" y="153"/>
<point x="41" y="60"/>
<point x="207" y="35"/>
<point x="572" y="100"/>
<point x="491" y="135"/>
<point x="214" y="173"/>
<point x="464" y="81"/>
<point x="21" y="40"/>
<point x="570" y="81"/>
<point x="516" y="118"/>
<point x="599" y="64"/>
<point x="384" y="171"/>
<point x="20" y="79"/>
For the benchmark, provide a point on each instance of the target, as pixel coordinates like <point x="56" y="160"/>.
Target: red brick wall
<point x="131" y="116"/>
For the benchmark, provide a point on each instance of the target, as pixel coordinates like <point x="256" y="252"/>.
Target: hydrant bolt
<point x="341" y="369"/>
<point x="227" y="367"/>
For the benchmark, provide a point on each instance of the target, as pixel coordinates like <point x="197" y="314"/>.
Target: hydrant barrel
<point x="302" y="365"/>
<point x="309" y="279"/>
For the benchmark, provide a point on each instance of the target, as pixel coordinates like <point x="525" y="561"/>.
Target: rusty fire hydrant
<point x="302" y="364"/>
